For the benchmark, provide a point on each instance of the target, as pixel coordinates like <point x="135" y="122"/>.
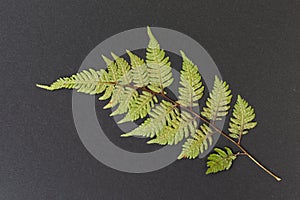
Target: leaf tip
<point x="217" y="78"/>
<point x="128" y="52"/>
<point x="208" y="172"/>
<point x="106" y="60"/>
<point x="149" y="30"/>
<point x="239" y="97"/>
<point x="45" y="87"/>
<point x="109" y="105"/>
<point x="182" y="53"/>
<point x="114" y="55"/>
<point x="151" y="142"/>
<point x="122" y="121"/>
<point x="125" y="135"/>
<point x="181" y="156"/>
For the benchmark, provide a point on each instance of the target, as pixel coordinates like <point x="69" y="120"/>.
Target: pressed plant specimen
<point x="137" y="90"/>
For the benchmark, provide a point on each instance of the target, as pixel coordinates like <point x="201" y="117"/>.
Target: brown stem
<point x="240" y="138"/>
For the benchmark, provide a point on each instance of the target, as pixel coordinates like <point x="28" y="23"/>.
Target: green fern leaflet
<point x="190" y="79"/>
<point x="179" y="128"/>
<point x="220" y="161"/>
<point x="217" y="104"/>
<point x="160" y="115"/>
<point x="159" y="67"/>
<point x="200" y="142"/>
<point x="87" y="81"/>
<point x="241" y="122"/>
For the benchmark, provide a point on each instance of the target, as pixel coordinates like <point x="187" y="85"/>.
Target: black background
<point x="255" y="46"/>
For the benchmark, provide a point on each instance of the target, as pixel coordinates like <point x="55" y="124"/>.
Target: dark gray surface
<point x="255" y="46"/>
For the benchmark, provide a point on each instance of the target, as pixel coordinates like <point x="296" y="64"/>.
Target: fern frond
<point x="139" y="70"/>
<point x="191" y="89"/>
<point x="217" y="104"/>
<point x="87" y="81"/>
<point x="199" y="142"/>
<point x="220" y="160"/>
<point x="160" y="115"/>
<point x="160" y="72"/>
<point x="134" y="89"/>
<point x="180" y="128"/>
<point x="241" y="121"/>
<point x="140" y="107"/>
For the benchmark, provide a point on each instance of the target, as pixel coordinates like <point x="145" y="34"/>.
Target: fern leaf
<point x="113" y="74"/>
<point x="220" y="160"/>
<point x="199" y="142"/>
<point x="117" y="93"/>
<point x="89" y="82"/>
<point x="165" y="136"/>
<point x="123" y="70"/>
<point x="120" y="71"/>
<point x="217" y="104"/>
<point x="139" y="70"/>
<point x="140" y="107"/>
<point x="180" y="128"/>
<point x="160" y="72"/>
<point x="65" y="82"/>
<point x="159" y="116"/>
<point x="108" y="93"/>
<point x="191" y="89"/>
<point x="241" y="122"/>
<point x="126" y="100"/>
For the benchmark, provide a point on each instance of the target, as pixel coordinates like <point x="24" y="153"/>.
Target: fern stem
<point x="259" y="164"/>
<point x="248" y="154"/>
<point x="240" y="138"/>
